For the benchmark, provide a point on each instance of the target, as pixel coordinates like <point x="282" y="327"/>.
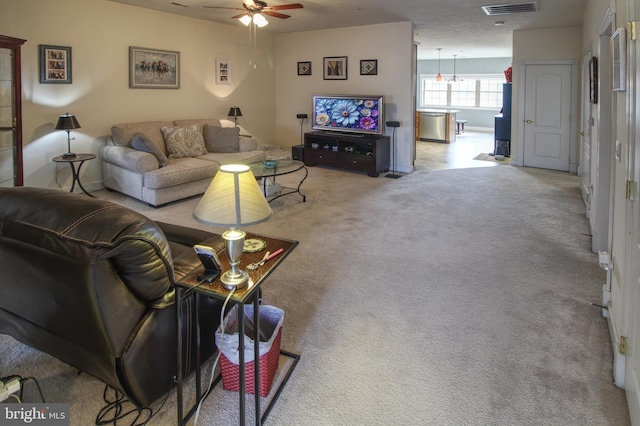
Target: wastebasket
<point x="271" y="319"/>
<point x="502" y="147"/>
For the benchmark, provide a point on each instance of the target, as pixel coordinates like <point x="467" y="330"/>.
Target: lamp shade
<point x="234" y="112"/>
<point x="233" y="199"/>
<point x="67" y="122"/>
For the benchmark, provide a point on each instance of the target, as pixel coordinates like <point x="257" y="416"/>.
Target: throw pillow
<point x="222" y="139"/>
<point x="142" y="143"/>
<point x="184" y="141"/>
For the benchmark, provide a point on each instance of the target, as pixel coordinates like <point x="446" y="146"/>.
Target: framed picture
<point x="304" y="68"/>
<point x="593" y="80"/>
<point x="335" y="68"/>
<point x="153" y="68"/>
<point x="369" y="67"/>
<point x="55" y="64"/>
<point x="223" y="71"/>
<point x="619" y="60"/>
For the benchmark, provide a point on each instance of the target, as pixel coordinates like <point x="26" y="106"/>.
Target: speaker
<point x="297" y="152"/>
<point x="301" y="116"/>
<point x="393" y="124"/>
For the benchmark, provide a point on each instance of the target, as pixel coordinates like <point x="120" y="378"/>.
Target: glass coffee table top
<point x="267" y="175"/>
<point x="283" y="167"/>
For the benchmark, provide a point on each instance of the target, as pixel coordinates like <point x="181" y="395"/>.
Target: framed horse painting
<point x="153" y="68"/>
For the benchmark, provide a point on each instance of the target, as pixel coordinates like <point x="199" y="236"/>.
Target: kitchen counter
<point x="436" y="125"/>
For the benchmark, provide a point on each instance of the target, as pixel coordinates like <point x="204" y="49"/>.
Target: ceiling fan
<point x="252" y="7"/>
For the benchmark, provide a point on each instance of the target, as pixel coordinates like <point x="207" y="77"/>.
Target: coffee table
<point x="268" y="177"/>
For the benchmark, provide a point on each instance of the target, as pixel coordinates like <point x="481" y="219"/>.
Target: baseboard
<point x="619" y="360"/>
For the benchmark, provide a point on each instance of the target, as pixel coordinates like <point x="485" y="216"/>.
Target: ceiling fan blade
<point x="240" y="16"/>
<point x="221" y="7"/>
<point x="284" y="7"/>
<point x="275" y="14"/>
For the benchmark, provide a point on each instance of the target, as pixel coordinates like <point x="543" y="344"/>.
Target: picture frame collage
<point x="336" y="67"/>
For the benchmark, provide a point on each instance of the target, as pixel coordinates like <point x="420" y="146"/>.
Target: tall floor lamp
<point x="395" y="125"/>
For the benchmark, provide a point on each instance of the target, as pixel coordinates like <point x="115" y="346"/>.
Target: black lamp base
<point x="69" y="155"/>
<point x="392" y="175"/>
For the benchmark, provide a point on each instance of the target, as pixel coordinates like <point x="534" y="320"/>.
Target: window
<point x="479" y="91"/>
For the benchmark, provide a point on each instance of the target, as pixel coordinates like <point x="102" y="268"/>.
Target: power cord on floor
<point x="113" y="411"/>
<point x="215" y="362"/>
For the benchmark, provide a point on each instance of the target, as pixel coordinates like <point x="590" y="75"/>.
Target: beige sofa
<point x="140" y="173"/>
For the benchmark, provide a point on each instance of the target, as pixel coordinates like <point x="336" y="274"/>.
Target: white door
<point x="547" y="116"/>
<point x="632" y="282"/>
<point x="585" y="134"/>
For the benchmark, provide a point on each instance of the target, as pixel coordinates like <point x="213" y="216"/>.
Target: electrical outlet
<point x="10" y="387"/>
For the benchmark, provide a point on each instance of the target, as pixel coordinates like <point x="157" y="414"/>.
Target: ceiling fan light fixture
<point x="259" y="20"/>
<point x="246" y="20"/>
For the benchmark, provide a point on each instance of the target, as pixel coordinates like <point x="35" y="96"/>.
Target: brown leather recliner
<point x="92" y="284"/>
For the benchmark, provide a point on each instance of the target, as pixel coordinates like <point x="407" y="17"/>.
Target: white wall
<point x="549" y="44"/>
<point x="100" y="33"/>
<point x="391" y="44"/>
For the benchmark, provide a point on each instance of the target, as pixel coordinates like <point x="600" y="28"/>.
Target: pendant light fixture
<point x="439" y="76"/>
<point x="455" y="78"/>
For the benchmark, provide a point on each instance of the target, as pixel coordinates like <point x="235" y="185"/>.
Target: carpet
<point x="451" y="297"/>
<point x="487" y="157"/>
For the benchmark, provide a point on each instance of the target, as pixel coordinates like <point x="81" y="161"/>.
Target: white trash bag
<point x="271" y="319"/>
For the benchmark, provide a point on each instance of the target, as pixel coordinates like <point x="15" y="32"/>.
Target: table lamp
<point x="233" y="199"/>
<point x="67" y="122"/>
<point x="235" y="112"/>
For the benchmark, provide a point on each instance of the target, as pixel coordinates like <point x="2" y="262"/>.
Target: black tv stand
<point x="359" y="151"/>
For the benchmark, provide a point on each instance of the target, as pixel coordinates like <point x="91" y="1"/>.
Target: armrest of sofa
<point x="129" y="158"/>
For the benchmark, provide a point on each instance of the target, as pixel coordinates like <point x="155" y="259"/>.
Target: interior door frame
<point x="573" y="131"/>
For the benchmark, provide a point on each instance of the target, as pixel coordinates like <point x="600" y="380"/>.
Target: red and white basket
<point x="271" y="319"/>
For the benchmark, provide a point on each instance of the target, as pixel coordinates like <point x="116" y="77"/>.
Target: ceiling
<point x="459" y="27"/>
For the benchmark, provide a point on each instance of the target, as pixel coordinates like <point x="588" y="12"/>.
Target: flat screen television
<point x="354" y="114"/>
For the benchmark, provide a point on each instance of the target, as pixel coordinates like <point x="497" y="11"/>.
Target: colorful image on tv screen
<point x="347" y="113"/>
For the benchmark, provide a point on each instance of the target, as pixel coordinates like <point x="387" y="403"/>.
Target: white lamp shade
<point x="233" y="199"/>
<point x="246" y="19"/>
<point x="259" y="20"/>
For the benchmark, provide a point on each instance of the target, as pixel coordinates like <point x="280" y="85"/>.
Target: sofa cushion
<point x="247" y="144"/>
<point x="123" y="133"/>
<point x="142" y="143"/>
<point x="221" y="139"/>
<point x="184" y="141"/>
<point x="199" y="121"/>
<point x="179" y="171"/>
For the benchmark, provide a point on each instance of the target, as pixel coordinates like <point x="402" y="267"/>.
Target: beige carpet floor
<point x="452" y="297"/>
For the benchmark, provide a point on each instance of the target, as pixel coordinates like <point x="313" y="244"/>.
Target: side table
<point x="191" y="286"/>
<point x="78" y="158"/>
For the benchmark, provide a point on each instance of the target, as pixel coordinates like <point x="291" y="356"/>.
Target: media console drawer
<point x="367" y="153"/>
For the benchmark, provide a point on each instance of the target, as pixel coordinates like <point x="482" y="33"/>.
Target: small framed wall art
<point x="55" y="64"/>
<point x="153" y="68"/>
<point x="304" y="68"/>
<point x="369" y="67"/>
<point x="223" y="71"/>
<point x="335" y="68"/>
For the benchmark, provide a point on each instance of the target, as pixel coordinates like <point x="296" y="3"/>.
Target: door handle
<point x="529" y="121"/>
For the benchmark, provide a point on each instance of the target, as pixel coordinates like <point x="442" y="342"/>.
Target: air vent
<point x="505" y="9"/>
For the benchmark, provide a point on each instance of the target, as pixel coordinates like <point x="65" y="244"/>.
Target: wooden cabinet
<point x="10" y="112"/>
<point x="366" y="153"/>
